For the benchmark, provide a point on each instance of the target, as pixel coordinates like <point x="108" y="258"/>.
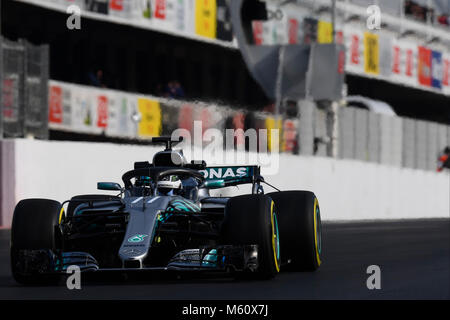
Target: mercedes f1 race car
<point x="164" y="218"/>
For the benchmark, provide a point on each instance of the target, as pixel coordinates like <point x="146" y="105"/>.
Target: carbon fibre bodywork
<point x="155" y="233"/>
<point x="144" y="229"/>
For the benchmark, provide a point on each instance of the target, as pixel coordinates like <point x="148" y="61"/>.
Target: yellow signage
<point x="324" y="32"/>
<point x="272" y="124"/>
<point x="150" y="125"/>
<point x="371" y="53"/>
<point x="205" y="18"/>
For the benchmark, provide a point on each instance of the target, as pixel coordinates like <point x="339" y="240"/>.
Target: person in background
<point x="96" y="79"/>
<point x="174" y="90"/>
<point x="444" y="159"/>
<point x="179" y="91"/>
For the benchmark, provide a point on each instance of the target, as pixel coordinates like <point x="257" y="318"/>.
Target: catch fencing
<point x="24" y="73"/>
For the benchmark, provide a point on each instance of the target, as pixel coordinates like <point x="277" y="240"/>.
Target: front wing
<point x="221" y="258"/>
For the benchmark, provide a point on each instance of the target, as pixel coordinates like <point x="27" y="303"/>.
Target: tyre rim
<point x="61" y="215"/>
<point x="317" y="231"/>
<point x="275" y="238"/>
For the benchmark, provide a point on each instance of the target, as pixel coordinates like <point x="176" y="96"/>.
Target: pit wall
<point x="346" y="189"/>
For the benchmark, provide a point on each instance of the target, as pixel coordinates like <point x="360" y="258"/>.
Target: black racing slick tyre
<point x="252" y="220"/>
<point x="34" y="229"/>
<point x="300" y="229"/>
<point x="77" y="200"/>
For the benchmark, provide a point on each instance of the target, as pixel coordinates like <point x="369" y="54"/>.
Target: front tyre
<point x="34" y="239"/>
<point x="252" y="220"/>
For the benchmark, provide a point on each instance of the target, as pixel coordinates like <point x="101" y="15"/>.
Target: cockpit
<point x="168" y="175"/>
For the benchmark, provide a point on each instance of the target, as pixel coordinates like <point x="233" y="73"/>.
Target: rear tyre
<point x="252" y="220"/>
<point x="300" y="228"/>
<point x="34" y="227"/>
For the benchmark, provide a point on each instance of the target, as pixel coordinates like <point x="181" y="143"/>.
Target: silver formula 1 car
<point x="165" y="219"/>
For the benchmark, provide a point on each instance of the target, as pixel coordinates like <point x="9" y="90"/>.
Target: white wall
<point x="347" y="190"/>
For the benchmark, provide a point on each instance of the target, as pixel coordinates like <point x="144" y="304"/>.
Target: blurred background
<point x="142" y="68"/>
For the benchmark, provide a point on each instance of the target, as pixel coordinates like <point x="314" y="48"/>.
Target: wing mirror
<point x="109" y="186"/>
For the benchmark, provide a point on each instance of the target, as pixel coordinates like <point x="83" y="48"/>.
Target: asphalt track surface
<point x="414" y="257"/>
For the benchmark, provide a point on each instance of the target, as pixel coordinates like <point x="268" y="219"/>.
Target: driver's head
<point x="169" y="186"/>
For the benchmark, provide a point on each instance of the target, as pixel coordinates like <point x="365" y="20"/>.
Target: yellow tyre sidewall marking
<point x="61" y="213"/>
<point x="274" y="238"/>
<point x="316" y="203"/>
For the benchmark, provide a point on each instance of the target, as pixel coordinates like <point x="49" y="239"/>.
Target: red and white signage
<point x="102" y="112"/>
<point x="424" y="66"/>
<point x="446" y="73"/>
<point x="404" y="62"/>
<point x="293" y="26"/>
<point x="354" y="42"/>
<point x="55" y="101"/>
<point x="160" y="9"/>
<point x="258" y="32"/>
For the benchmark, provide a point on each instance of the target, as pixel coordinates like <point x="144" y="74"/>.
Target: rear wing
<point x="219" y="177"/>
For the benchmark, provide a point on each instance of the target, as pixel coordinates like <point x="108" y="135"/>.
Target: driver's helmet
<point x="169" y="186"/>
